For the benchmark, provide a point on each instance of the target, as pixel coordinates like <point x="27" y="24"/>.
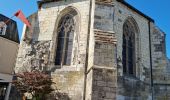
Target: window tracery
<point x="66" y="29"/>
<point x="128" y="52"/>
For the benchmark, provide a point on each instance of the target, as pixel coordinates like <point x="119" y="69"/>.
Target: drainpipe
<point x="87" y="50"/>
<point x="150" y="48"/>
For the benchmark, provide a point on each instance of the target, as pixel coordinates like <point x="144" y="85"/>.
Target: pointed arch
<point x="133" y="24"/>
<point x="130" y="46"/>
<point x="66" y="27"/>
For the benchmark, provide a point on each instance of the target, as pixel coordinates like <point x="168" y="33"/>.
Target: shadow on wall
<point x="133" y="88"/>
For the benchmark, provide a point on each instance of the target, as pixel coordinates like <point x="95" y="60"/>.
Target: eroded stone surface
<point x="100" y="77"/>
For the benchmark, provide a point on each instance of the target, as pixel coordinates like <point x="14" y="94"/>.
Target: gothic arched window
<point x="65" y="31"/>
<point x="128" y="52"/>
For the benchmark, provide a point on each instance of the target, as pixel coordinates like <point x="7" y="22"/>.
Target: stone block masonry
<point x="37" y="50"/>
<point x="97" y="62"/>
<point x="104" y="84"/>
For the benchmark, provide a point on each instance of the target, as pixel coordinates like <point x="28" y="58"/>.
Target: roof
<point x="136" y="10"/>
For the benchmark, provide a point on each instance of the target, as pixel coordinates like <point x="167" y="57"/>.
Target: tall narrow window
<point x="128" y="46"/>
<point x="66" y="29"/>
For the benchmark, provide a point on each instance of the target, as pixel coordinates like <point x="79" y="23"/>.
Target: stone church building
<point x="97" y="50"/>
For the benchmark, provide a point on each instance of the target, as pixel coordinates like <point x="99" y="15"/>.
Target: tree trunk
<point x="23" y="97"/>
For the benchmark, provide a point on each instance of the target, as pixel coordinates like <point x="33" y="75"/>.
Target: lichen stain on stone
<point x="64" y="80"/>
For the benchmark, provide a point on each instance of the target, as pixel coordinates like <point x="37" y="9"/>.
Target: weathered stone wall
<point x="105" y="49"/>
<point x="33" y="53"/>
<point x="122" y="13"/>
<point x="103" y="17"/>
<point x="104" y="72"/>
<point x="138" y="86"/>
<point x="104" y="36"/>
<point x="100" y="77"/>
<point x="161" y="92"/>
<point x="104" y="84"/>
<point x="160" y="68"/>
<point x="89" y="81"/>
<point x="37" y="50"/>
<point x="159" y="59"/>
<point x="71" y="83"/>
<point x="109" y="19"/>
<point x="132" y="89"/>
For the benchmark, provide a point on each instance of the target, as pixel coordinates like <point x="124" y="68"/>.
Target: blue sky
<point x="156" y="9"/>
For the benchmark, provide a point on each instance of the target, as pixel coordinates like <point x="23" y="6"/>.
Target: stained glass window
<point x="128" y="52"/>
<point x="66" y="29"/>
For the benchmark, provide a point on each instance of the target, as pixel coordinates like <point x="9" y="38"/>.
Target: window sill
<point x="67" y="67"/>
<point x="127" y="76"/>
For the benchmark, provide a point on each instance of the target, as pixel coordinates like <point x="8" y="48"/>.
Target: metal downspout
<point x="150" y="48"/>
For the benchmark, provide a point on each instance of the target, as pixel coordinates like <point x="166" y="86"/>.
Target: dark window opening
<point x="128" y="49"/>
